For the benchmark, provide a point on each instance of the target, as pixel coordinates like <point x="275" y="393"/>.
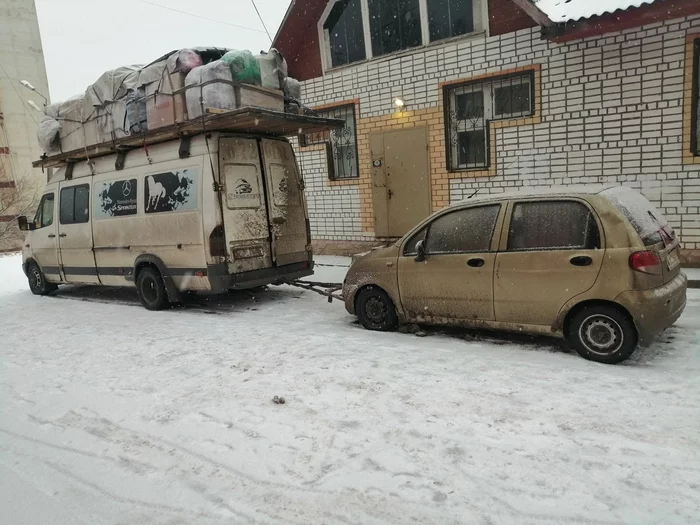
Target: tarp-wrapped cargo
<point x="179" y="86"/>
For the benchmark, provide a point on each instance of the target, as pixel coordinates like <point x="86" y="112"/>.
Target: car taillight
<point x="646" y="262"/>
<point x="217" y="242"/>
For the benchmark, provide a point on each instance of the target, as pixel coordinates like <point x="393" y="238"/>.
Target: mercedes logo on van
<point x="126" y="188"/>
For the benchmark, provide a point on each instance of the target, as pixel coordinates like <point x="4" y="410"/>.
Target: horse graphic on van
<point x="156" y="191"/>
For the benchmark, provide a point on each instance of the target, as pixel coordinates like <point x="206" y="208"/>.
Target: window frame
<point x="60" y="203"/>
<point x="325" y="140"/>
<point x="695" y="102"/>
<point x="427" y="225"/>
<point x="487" y="85"/>
<point x="505" y="237"/>
<point x="480" y="21"/>
<point x="39" y="215"/>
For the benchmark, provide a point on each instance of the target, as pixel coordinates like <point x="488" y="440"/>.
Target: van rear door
<point x="287" y="210"/>
<point x="244" y="205"/>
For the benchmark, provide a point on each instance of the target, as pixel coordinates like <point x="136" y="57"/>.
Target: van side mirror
<point x="420" y="251"/>
<point x="23" y="223"/>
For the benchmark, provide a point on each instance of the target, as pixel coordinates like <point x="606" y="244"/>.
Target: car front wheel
<point x="376" y="310"/>
<point x="603" y="334"/>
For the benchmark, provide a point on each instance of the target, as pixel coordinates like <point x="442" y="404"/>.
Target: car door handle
<point x="52" y="235"/>
<point x="62" y="235"/>
<point x="475" y="263"/>
<point x="581" y="260"/>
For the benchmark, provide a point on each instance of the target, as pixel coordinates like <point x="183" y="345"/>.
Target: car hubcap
<point x="601" y="334"/>
<point x="376" y="309"/>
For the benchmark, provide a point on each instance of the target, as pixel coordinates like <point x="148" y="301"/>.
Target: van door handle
<point x="52" y="235"/>
<point x="62" y="235"/>
<point x="475" y="263"/>
<point x="581" y="260"/>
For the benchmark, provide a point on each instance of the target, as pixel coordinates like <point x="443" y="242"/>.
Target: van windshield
<point x="649" y="223"/>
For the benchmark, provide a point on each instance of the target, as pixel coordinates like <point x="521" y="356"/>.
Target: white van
<point x="212" y="212"/>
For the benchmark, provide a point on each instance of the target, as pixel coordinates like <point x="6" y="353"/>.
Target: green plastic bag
<point x="244" y="66"/>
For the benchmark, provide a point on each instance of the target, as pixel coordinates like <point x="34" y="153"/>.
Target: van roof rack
<point x="242" y="120"/>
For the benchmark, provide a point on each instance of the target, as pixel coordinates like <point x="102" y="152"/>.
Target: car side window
<point x="463" y="231"/>
<point x="44" y="214"/>
<point x="74" y="205"/>
<point x="552" y="225"/>
<point x="410" y="247"/>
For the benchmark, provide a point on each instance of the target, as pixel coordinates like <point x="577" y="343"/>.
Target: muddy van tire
<point x="37" y="280"/>
<point x="376" y="310"/>
<point x="151" y="289"/>
<point x="603" y="334"/>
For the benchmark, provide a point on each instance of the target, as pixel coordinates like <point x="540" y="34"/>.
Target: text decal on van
<point x="115" y="199"/>
<point x="172" y="191"/>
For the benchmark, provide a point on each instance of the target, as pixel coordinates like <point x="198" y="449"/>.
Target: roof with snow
<point x="559" y="11"/>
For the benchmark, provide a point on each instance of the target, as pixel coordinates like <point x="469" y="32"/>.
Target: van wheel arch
<point x="155" y="262"/>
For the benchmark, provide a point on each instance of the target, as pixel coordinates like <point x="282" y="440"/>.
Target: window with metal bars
<point x="341" y="144"/>
<point x="470" y="107"/>
<point x="695" y="111"/>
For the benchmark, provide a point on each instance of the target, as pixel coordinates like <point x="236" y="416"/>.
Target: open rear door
<point x="244" y="205"/>
<point x="286" y="203"/>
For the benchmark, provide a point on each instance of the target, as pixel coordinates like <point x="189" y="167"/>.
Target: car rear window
<point x="648" y="222"/>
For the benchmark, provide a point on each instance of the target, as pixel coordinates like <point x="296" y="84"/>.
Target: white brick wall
<point x="612" y="112"/>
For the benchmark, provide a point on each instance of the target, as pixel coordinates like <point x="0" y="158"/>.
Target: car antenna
<point x="475" y="192"/>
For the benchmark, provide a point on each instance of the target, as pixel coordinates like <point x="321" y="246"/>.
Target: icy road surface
<point x="110" y="414"/>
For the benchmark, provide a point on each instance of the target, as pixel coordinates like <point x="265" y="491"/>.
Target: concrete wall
<point x="21" y="58"/>
<point x="612" y="109"/>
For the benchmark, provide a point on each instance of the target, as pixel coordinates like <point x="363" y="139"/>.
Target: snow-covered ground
<point x="110" y="414"/>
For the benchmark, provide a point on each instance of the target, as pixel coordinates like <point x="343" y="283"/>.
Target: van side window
<point x="74" y="205"/>
<point x="44" y="214"/>
<point x="463" y="231"/>
<point x="552" y="225"/>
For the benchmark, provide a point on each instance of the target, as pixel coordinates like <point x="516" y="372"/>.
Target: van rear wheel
<point x="37" y="281"/>
<point x="151" y="289"/>
<point x="603" y="334"/>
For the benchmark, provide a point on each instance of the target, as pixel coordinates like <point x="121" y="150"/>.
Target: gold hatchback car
<point x="598" y="267"/>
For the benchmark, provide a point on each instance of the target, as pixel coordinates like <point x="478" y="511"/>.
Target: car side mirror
<point x="23" y="223"/>
<point x="420" y="251"/>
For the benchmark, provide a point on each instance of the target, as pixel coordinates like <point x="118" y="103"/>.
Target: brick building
<point x="496" y="94"/>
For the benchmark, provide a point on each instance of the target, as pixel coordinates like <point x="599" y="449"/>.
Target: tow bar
<point x="329" y="290"/>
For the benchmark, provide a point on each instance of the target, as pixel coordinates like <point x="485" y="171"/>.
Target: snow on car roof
<point x="564" y="10"/>
<point x="549" y="191"/>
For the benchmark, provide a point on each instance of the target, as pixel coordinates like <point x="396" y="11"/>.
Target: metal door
<point x="287" y="209"/>
<point x="401" y="180"/>
<point x="75" y="233"/>
<point x="44" y="240"/>
<point x="244" y="205"/>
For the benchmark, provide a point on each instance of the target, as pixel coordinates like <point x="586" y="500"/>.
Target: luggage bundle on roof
<point x="178" y="89"/>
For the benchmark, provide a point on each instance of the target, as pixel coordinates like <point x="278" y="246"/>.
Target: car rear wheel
<point x="603" y="334"/>
<point x="376" y="310"/>
<point x="151" y="289"/>
<point x="37" y="281"/>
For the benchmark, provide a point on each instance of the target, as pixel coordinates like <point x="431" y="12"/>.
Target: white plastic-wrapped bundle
<point x="48" y="134"/>
<point x="273" y="69"/>
<point x="209" y="87"/>
<point x="292" y="89"/>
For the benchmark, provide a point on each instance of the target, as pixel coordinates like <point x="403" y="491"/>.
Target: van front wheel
<point x="603" y="334"/>
<point x="151" y="289"/>
<point x="37" y="281"/>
